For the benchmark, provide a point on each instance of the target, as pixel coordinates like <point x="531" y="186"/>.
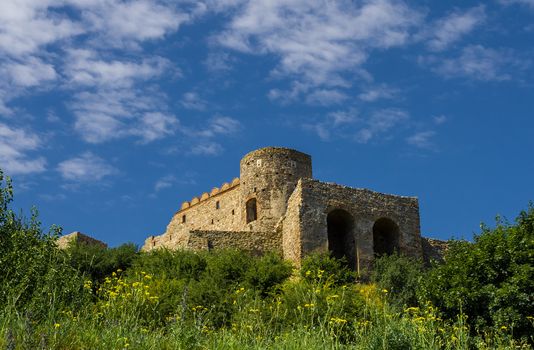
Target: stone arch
<point x="386" y="235"/>
<point x="341" y="240"/>
<point x="252" y="210"/>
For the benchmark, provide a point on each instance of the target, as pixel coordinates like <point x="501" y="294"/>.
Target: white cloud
<point x="380" y="123"/>
<point x="15" y="144"/>
<point x="422" y="139"/>
<point x="439" y="119"/>
<point x="529" y="3"/>
<point x="191" y="100"/>
<point x="27" y="25"/>
<point x="165" y="182"/>
<point x="453" y="27"/>
<point x="85" y="68"/>
<point x="86" y="167"/>
<point x="319" y="42"/>
<point x="206" y="148"/>
<point x="326" y="97"/>
<point x="30" y="72"/>
<point x="220" y="125"/>
<point x="111" y="114"/>
<point x="478" y="63"/>
<point x="333" y="123"/>
<point x="377" y="93"/>
<point x="156" y="125"/>
<point x="219" y="62"/>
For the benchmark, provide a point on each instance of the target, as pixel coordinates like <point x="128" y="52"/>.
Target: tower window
<point x="183" y="219"/>
<point x="233" y="212"/>
<point x="252" y="210"/>
<point x="217" y="205"/>
<point x="258" y="162"/>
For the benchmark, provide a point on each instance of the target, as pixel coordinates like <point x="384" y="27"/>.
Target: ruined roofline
<point x="213" y="193"/>
<point x="333" y="184"/>
<point x="272" y="149"/>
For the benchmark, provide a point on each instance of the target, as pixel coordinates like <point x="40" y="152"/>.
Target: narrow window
<point x="233" y="212"/>
<point x="212" y="221"/>
<point x="252" y="213"/>
<point x="258" y="163"/>
<point x="217" y="205"/>
<point x="183" y="219"/>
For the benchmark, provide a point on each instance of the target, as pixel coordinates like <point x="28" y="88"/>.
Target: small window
<point x="258" y="163"/>
<point x="183" y="219"/>
<point x="212" y="221"/>
<point x="217" y="205"/>
<point x="255" y="189"/>
<point x="293" y="164"/>
<point x="252" y="210"/>
<point x="233" y="212"/>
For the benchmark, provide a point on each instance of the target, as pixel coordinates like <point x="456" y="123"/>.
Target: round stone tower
<point x="268" y="177"/>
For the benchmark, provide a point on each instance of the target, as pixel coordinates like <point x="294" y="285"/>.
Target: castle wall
<point x="318" y="199"/>
<point x="202" y="213"/>
<point x="291" y="226"/>
<point x="254" y="242"/>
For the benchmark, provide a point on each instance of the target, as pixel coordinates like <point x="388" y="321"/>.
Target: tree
<point x="490" y="280"/>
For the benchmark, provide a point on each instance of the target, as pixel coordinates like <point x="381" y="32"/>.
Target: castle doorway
<point x="385" y="237"/>
<point x="341" y="241"/>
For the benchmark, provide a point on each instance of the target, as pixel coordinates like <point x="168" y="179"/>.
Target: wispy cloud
<point x="453" y="27"/>
<point x="16" y="145"/>
<point x="318" y="42"/>
<point x="478" y="63"/>
<point x="422" y="139"/>
<point x="86" y="167"/>
<point x="529" y="3"/>
<point x="191" y="100"/>
<point x="377" y="93"/>
<point x="164" y="182"/>
<point x="380" y="122"/>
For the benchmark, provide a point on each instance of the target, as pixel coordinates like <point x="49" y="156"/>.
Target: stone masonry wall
<point x="255" y="242"/>
<point x="366" y="207"/>
<point x="202" y="213"/>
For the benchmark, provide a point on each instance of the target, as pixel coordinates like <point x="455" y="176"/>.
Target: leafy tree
<point x="35" y="275"/>
<point x="490" y="280"/>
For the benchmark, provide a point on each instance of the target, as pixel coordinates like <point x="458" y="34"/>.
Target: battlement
<point x="214" y="192"/>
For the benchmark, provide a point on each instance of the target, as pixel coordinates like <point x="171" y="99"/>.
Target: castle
<point x="276" y="205"/>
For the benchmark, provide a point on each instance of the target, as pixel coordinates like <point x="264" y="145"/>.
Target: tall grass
<point x="304" y="314"/>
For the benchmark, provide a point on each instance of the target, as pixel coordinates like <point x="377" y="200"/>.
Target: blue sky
<point x="113" y="112"/>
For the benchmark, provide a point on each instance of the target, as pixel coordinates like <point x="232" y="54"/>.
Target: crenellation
<point x="276" y="205"/>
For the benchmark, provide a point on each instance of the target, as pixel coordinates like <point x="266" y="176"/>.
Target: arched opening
<point x="385" y="237"/>
<point x="341" y="242"/>
<point x="252" y="210"/>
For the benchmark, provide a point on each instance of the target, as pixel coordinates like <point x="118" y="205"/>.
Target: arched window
<point x="385" y="237"/>
<point x="341" y="242"/>
<point x="252" y="210"/>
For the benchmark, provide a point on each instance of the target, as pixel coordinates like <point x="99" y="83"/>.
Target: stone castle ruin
<point x="276" y="205"/>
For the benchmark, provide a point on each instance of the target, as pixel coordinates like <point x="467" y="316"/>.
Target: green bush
<point x="490" y="280"/>
<point x="266" y="274"/>
<point x="316" y="267"/>
<point x="400" y="276"/>
<point x="96" y="262"/>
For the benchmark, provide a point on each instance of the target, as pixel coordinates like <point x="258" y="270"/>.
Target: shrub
<point x="322" y="266"/>
<point x="96" y="262"/>
<point x="400" y="275"/>
<point x="267" y="274"/>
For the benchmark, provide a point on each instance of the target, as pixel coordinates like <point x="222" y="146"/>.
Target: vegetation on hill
<point x="89" y="297"/>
